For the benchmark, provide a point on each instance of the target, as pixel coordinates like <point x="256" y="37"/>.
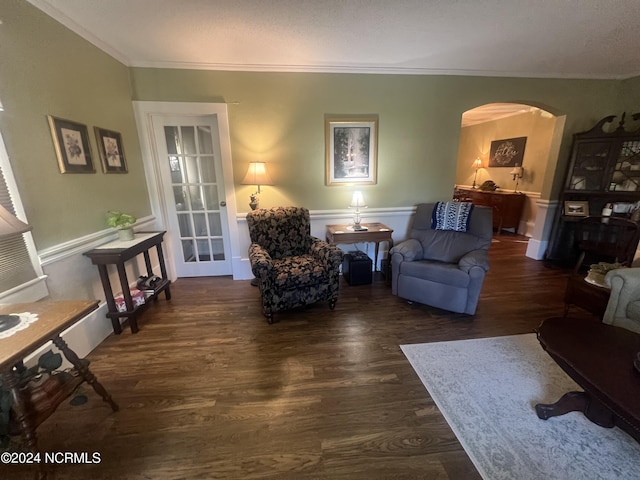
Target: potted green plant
<point x="123" y="222"/>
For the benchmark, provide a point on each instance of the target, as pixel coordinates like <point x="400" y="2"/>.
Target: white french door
<point x="190" y="168"/>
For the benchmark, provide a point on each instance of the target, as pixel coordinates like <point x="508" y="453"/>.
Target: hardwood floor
<point x="207" y="389"/>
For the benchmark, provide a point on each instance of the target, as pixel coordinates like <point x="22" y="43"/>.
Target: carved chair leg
<point x="268" y="313"/>
<point x="332" y="303"/>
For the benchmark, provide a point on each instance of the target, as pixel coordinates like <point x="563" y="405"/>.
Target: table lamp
<point x="517" y="173"/>
<point x="256" y="175"/>
<point x="357" y="201"/>
<point x="477" y="163"/>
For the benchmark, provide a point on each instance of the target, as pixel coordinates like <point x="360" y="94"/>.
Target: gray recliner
<point x="443" y="268"/>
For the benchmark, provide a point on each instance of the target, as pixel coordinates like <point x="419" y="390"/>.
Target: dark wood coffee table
<point x="600" y="358"/>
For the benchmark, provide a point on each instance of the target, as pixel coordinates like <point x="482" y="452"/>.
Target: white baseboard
<point x="82" y="337"/>
<point x="536" y="249"/>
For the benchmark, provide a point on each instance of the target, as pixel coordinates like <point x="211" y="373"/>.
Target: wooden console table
<point x="507" y="206"/>
<point x="345" y="234"/>
<point x="117" y="253"/>
<point x="53" y="319"/>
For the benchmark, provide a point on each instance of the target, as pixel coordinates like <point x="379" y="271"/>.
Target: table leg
<point x="163" y="270"/>
<point x="82" y="366"/>
<point x="147" y="262"/>
<point x="578" y="402"/>
<point x="128" y="301"/>
<point x="108" y="295"/>
<point x="375" y="260"/>
<point x="22" y="410"/>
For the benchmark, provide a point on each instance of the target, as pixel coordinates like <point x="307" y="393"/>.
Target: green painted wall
<point x="47" y="69"/>
<point x="279" y="118"/>
<point x="274" y="117"/>
<point x="631" y="94"/>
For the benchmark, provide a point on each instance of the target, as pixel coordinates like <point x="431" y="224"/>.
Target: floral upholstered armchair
<point x="292" y="267"/>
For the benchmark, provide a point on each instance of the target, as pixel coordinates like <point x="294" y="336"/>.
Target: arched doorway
<point x="542" y="130"/>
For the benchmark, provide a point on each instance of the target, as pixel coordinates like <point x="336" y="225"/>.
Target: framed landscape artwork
<point x="508" y="152"/>
<point x="576" y="208"/>
<point x="351" y="146"/>
<point x="71" y="142"/>
<point x="111" y="151"/>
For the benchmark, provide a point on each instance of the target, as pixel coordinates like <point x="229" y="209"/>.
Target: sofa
<point x="443" y="268"/>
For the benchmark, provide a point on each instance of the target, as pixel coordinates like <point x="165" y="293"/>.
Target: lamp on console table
<point x="256" y="175"/>
<point x="517" y="173"/>
<point x="477" y="164"/>
<point x="357" y="201"/>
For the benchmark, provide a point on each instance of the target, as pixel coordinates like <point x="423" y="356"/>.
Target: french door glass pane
<point x="215" y="224"/>
<point x="200" y="224"/>
<point x="208" y="170"/>
<point x="217" y="246"/>
<point x="204" y="140"/>
<point x="197" y="202"/>
<point x="204" y="254"/>
<point x="185" y="225"/>
<point x="192" y="170"/>
<point x="180" y="198"/>
<point x="189" y="141"/>
<point x="173" y="139"/>
<point x="176" y="169"/>
<point x="187" y="251"/>
<point x="211" y="197"/>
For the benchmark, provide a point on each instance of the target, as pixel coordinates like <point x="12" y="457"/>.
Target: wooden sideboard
<point x="507" y="206"/>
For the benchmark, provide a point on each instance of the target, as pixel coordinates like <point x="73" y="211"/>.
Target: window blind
<point x="15" y="264"/>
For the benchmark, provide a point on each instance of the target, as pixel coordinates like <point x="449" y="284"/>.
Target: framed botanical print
<point x="111" y="151"/>
<point x="351" y="146"/>
<point x="71" y="142"/>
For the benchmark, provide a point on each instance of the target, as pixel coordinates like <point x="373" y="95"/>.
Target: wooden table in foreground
<point x="53" y="319"/>
<point x="600" y="358"/>
<point x="376" y="232"/>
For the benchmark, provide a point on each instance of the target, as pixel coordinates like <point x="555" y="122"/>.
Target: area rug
<point x="487" y="389"/>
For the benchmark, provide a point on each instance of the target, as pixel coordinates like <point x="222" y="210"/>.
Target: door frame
<point x="144" y="112"/>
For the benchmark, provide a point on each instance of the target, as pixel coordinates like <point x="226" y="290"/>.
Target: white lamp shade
<point x="518" y="171"/>
<point x="357" y="200"/>
<point x="10" y="225"/>
<point x="477" y="163"/>
<point x="257" y="175"/>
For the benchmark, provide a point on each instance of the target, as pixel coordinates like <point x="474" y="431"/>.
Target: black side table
<point x="117" y="253"/>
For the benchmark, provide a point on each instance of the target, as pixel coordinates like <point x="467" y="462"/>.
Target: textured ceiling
<point x="535" y="38"/>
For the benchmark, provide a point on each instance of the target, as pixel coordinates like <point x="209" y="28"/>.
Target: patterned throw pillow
<point x="451" y="216"/>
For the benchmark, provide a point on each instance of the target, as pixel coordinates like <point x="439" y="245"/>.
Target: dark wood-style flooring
<point x="208" y="390"/>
